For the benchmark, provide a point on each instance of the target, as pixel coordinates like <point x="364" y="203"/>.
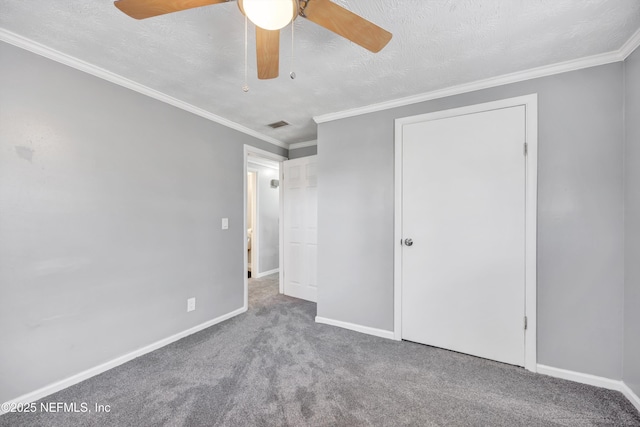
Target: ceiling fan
<point x="270" y="16"/>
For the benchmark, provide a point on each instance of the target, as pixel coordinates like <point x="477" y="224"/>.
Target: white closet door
<point x="300" y="227"/>
<point x="463" y="207"/>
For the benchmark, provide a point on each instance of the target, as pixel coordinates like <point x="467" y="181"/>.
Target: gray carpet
<point x="273" y="366"/>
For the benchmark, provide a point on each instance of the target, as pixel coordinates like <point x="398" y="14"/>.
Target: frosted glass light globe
<point x="270" y="14"/>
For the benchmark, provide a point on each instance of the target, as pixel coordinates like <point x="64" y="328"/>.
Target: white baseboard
<point x="74" y="379"/>
<point x="579" y="377"/>
<point x="629" y="394"/>
<point x="593" y="380"/>
<point x="266" y="273"/>
<point x="358" y="328"/>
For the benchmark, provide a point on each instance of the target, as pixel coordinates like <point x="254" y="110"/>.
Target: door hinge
<point x="525" y="323"/>
<point x="526" y="148"/>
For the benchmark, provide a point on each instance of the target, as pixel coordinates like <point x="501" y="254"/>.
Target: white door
<point x="300" y="227"/>
<point x="463" y="206"/>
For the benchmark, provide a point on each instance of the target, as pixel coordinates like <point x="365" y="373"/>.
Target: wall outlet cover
<point x="191" y="304"/>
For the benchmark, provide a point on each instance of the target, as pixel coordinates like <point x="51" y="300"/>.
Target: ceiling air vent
<point x="277" y="125"/>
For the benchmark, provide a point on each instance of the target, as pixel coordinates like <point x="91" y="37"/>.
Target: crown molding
<point x="73" y="62"/>
<point x="303" y="144"/>
<point x="534" y="73"/>
<point x="630" y="46"/>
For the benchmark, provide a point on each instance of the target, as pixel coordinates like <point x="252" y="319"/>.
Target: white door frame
<point x="253" y="165"/>
<point x="530" y="102"/>
<point x="250" y="150"/>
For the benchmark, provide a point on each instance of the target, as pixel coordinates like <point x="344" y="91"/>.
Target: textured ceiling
<point x="197" y="56"/>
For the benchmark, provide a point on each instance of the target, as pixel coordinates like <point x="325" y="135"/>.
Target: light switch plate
<point x="225" y="223"/>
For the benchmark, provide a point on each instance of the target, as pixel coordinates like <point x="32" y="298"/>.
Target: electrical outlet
<point x="191" y="304"/>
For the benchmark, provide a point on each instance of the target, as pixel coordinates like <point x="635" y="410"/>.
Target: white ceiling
<point x="197" y="56"/>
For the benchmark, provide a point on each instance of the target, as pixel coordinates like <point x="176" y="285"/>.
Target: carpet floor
<point x="274" y="366"/>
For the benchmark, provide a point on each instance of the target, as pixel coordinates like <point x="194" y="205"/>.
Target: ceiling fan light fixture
<point x="270" y="14"/>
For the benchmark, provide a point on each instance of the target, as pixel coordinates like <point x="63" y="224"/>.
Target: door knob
<point x="408" y="242"/>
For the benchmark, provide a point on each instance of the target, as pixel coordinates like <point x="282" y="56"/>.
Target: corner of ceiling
<point x="630" y="45"/>
<point x="73" y="62"/>
<point x="591" y="61"/>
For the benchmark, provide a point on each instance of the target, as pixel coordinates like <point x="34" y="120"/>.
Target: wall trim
<point x="629" y="394"/>
<point x="593" y="380"/>
<point x="631" y="45"/>
<point x="579" y="377"/>
<point x="303" y="144"/>
<point x="78" y="64"/>
<point x="91" y="372"/>
<point x="519" y="76"/>
<point x="354" y="327"/>
<point x="266" y="273"/>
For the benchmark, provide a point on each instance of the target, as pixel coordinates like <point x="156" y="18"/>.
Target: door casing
<point x="253" y="151"/>
<point x="530" y="102"/>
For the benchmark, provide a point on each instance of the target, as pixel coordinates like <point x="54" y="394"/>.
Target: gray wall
<point x="580" y="215"/>
<point x="110" y="208"/>
<point x="268" y="218"/>
<point x="631" y="374"/>
<point x="303" y="152"/>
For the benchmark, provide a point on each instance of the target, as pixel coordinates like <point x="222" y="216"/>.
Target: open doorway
<point x="263" y="227"/>
<point x="263" y="217"/>
<point x="252" y="204"/>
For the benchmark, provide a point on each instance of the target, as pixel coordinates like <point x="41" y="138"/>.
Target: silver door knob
<point x="408" y="242"/>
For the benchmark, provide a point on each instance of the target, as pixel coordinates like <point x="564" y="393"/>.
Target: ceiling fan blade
<point x="141" y="9"/>
<point x="268" y="53"/>
<point x="347" y="24"/>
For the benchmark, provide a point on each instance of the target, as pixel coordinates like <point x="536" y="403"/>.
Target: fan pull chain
<point x="292" y="74"/>
<point x="245" y="88"/>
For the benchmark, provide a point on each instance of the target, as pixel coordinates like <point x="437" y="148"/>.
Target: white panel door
<point x="300" y="227"/>
<point x="463" y="206"/>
